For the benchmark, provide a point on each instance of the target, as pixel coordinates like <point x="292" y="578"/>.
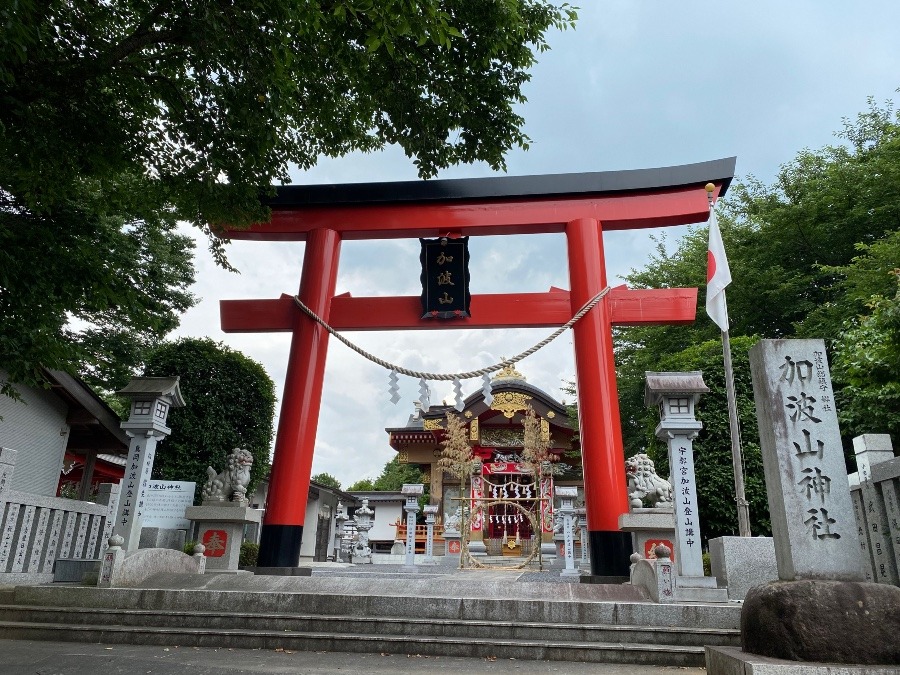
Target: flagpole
<point x="743" y="507"/>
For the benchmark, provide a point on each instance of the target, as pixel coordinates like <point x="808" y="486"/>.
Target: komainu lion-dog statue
<point x="231" y="484"/>
<point x="645" y="484"/>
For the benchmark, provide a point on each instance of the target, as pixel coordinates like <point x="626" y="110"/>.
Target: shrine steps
<point x="537" y="628"/>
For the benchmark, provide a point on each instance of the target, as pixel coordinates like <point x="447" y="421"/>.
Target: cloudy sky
<point x="636" y="85"/>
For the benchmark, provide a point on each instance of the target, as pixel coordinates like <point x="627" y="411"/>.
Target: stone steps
<point x="594" y="652"/>
<point x="18" y="615"/>
<point x="467" y="616"/>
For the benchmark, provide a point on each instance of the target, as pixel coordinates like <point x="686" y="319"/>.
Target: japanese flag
<point x="718" y="276"/>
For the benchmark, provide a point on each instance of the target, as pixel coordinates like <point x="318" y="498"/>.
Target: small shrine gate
<point x="580" y="205"/>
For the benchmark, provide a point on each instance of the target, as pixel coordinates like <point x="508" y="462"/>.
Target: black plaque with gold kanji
<point x="445" y="278"/>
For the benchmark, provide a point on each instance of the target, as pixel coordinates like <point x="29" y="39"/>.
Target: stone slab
<point x="740" y="563"/>
<point x="734" y="661"/>
<point x="160" y="537"/>
<point x="886" y="470"/>
<point x="459" y="594"/>
<point x="74" y="569"/>
<point x="224" y="514"/>
<point x="165" y="503"/>
<point x="147" y="562"/>
<point x="280" y="571"/>
<point x="699" y="594"/>
<point x="890" y="492"/>
<point x="813" y="524"/>
<point x="867" y="564"/>
<point x="872" y="450"/>
<point x="647" y="519"/>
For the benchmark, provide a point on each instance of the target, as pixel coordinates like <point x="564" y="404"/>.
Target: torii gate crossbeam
<point x="579" y="205"/>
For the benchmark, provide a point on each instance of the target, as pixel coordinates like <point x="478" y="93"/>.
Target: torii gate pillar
<point x="299" y="419"/>
<point x="598" y="401"/>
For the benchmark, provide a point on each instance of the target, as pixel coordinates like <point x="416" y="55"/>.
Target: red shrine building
<point x="495" y="431"/>
<point x="579" y="206"/>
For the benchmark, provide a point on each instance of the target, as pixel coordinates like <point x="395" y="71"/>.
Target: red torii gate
<point x="579" y="205"/>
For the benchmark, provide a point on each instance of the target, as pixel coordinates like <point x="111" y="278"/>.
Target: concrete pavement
<point x="25" y="657"/>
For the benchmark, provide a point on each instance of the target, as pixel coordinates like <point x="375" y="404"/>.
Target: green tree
<point x="89" y="288"/>
<point x="867" y="364"/>
<point x="327" y="479"/>
<point x="395" y="474"/>
<point x="230" y="403"/>
<point x="130" y="115"/>
<point x="362" y="485"/>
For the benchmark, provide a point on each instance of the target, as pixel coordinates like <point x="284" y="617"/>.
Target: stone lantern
<point x="151" y="400"/>
<point x="361" y="553"/>
<point x="676" y="395"/>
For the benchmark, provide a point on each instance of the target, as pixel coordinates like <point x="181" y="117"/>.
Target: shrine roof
<point x="475" y="402"/>
<point x="377" y="496"/>
<point x="546" y="186"/>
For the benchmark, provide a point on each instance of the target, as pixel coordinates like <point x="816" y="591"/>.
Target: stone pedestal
<point x="477" y="548"/>
<point x="649" y="528"/>
<point x="221" y="531"/>
<point x="549" y="553"/>
<point x="740" y="563"/>
<point x="452" y="548"/>
<point x="656" y="575"/>
<point x="559" y="544"/>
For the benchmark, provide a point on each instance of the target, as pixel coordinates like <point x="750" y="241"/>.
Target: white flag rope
<point x="481" y="372"/>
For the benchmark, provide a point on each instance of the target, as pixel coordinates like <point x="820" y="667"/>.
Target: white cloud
<point x="638" y="84"/>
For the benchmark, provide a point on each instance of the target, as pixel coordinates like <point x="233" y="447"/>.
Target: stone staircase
<point x="444" y="616"/>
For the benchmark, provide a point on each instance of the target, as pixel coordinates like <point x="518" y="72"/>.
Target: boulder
<point x="825" y="621"/>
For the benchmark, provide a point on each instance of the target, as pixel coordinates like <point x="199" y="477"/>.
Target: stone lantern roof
<point x="688" y="383"/>
<point x="154" y="387"/>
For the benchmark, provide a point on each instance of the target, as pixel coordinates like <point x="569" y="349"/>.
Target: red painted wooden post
<point x="598" y="403"/>
<point x="282" y="528"/>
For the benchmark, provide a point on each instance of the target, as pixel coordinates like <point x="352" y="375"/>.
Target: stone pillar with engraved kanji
<point x="811" y="511"/>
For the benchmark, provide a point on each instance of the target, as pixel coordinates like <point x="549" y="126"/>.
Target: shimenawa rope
<point x="587" y="307"/>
